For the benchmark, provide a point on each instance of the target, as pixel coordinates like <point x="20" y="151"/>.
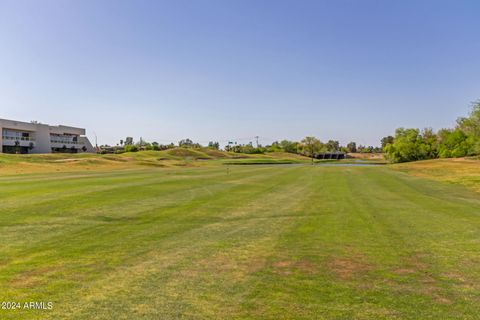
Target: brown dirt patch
<point x="413" y="264"/>
<point x="347" y="268"/>
<point x="31" y="278"/>
<point x="283" y="264"/>
<point x="307" y="266"/>
<point x="287" y="267"/>
<point x="427" y="284"/>
<point x="283" y="267"/>
<point x="255" y="264"/>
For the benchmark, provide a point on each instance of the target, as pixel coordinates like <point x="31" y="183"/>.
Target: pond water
<point x="308" y="164"/>
<point x="350" y="164"/>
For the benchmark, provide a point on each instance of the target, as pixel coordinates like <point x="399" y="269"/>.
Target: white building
<point x="24" y="137"/>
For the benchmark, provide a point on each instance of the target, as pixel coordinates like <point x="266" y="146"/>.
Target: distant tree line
<point x="414" y="144"/>
<point x="128" y="145"/>
<point x="309" y="146"/>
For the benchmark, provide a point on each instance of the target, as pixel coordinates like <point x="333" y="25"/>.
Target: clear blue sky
<point x="233" y="69"/>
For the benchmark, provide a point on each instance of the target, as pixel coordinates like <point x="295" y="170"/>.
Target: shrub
<point x="131" y="148"/>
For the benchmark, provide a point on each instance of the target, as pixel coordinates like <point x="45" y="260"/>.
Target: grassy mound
<point x="217" y="154"/>
<point x="187" y="153"/>
<point x="36" y="163"/>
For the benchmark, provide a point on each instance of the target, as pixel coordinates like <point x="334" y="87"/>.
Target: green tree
<point x="352" y="147"/>
<point x="311" y="146"/>
<point x="128" y="141"/>
<point x="453" y="143"/>
<point x="332" y="146"/>
<point x="471" y="124"/>
<point x="409" y="145"/>
<point x="386" y="140"/>
<point x="214" y="145"/>
<point x="289" y="146"/>
<point x="430" y="143"/>
<point x="131" y="148"/>
<point x="155" y="146"/>
<point x="274" y="147"/>
<point x="185" y="143"/>
<point x="471" y="127"/>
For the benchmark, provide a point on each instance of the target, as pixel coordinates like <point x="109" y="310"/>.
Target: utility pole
<point x="256" y="138"/>
<point x="96" y="143"/>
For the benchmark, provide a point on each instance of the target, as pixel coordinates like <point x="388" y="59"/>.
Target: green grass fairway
<point x="261" y="242"/>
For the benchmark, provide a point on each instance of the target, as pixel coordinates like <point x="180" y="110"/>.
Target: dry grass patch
<point x="32" y="278"/>
<point x="223" y="264"/>
<point x="367" y="156"/>
<point x="348" y="268"/>
<point x="288" y="267"/>
<point x="463" y="171"/>
<point x="425" y="284"/>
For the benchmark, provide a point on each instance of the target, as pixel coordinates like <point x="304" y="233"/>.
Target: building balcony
<point x="17" y="138"/>
<point x="60" y="141"/>
<point x="19" y="142"/>
<point x="68" y="144"/>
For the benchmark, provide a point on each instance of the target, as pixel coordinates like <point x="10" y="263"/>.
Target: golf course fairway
<point x="250" y="242"/>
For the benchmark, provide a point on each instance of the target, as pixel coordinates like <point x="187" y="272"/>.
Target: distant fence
<point x="331" y="155"/>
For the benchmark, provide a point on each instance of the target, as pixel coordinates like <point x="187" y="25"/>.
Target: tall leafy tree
<point x="453" y="143"/>
<point x="471" y="124"/>
<point x="289" y="146"/>
<point x="471" y="127"/>
<point x="214" y="145"/>
<point x="409" y="145"/>
<point x="352" y="147"/>
<point x="332" y="146"/>
<point x="386" y="140"/>
<point x="430" y="143"/>
<point x="311" y="146"/>
<point x="185" y="143"/>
